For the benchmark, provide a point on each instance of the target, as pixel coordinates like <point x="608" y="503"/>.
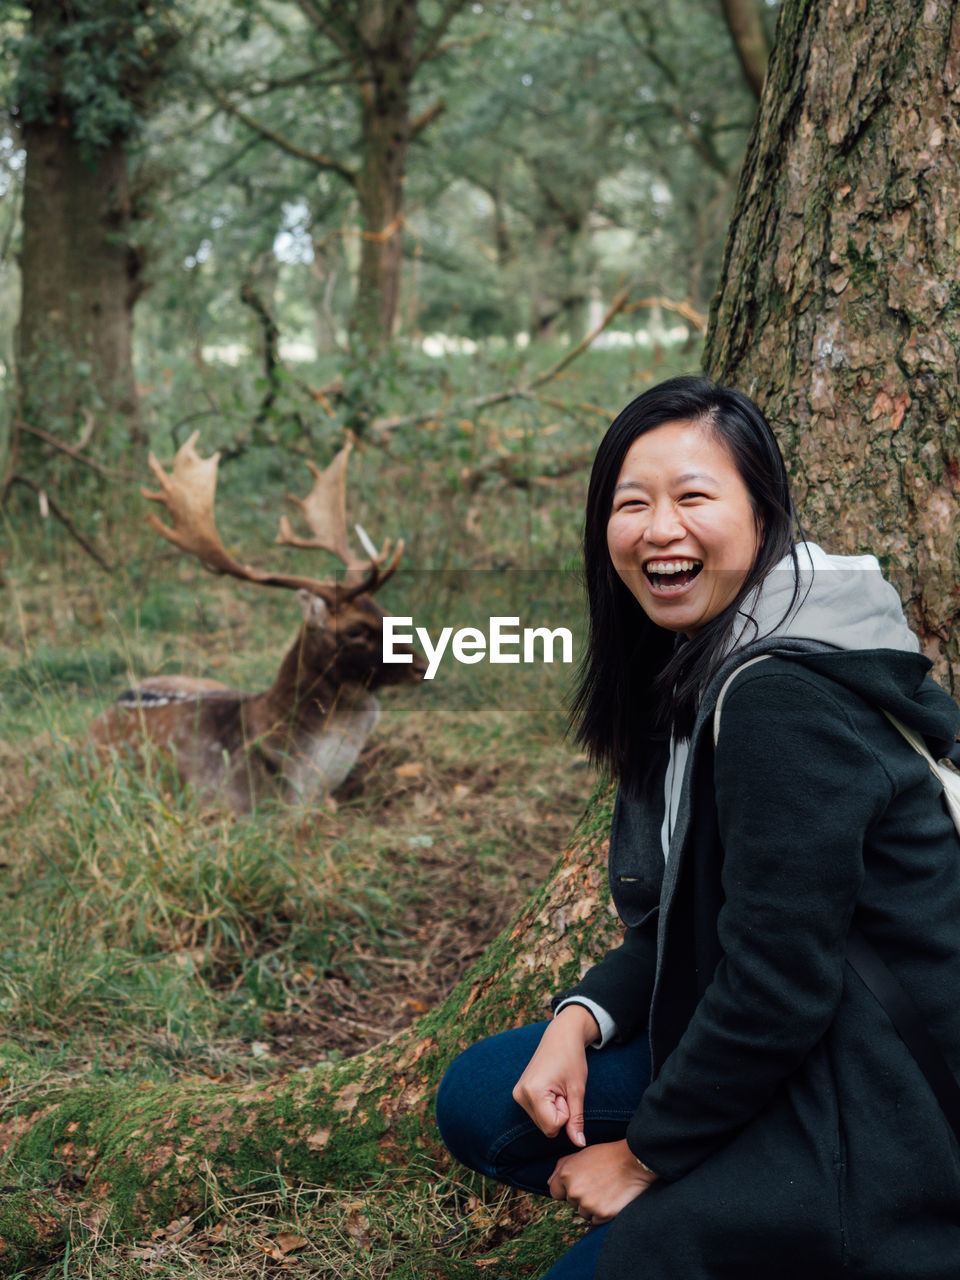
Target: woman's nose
<point x="664" y="525"/>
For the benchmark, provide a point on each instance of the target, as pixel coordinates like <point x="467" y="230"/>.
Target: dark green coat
<point x="793" y="1131"/>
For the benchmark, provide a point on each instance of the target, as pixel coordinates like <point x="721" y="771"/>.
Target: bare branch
<point x="618" y="304"/>
<point x="431" y="44"/>
<point x="317" y="158"/>
<point x="75" y="454"/>
<point x="518" y="391"/>
<point x="44" y="495"/>
<point x="685" y="309"/>
<point x="465" y="42"/>
<point x="425" y="118"/>
<point x="516" y="471"/>
<point x="345" y="35"/>
<point x="749" y="39"/>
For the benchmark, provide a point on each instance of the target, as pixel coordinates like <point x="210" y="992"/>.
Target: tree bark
<point x="80" y="270"/>
<point x="838" y="307"/>
<point x="80" y="280"/>
<point x="385" y="97"/>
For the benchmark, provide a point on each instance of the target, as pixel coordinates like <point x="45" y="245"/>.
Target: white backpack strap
<point x="949" y="780"/>
<point x="723" y="693"/>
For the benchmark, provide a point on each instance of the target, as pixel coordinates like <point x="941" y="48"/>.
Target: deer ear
<point x="315" y="611"/>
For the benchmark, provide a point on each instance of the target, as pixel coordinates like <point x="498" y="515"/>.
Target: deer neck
<point x="308" y="692"/>
<point x="311" y="720"/>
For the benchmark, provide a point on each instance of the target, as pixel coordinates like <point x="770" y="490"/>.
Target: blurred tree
<point x="745" y="20"/>
<point x="371" y="53"/>
<point x="85" y="75"/>
<point x="599" y="136"/>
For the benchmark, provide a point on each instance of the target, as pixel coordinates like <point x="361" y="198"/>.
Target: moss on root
<point x="32" y="1230"/>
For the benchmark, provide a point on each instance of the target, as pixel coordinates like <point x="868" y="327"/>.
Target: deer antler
<point x="188" y="494"/>
<point x="325" y="511"/>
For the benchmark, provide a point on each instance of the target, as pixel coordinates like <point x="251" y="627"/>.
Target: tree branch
<point x="520" y="390"/>
<point x="749" y="40"/>
<point x="349" y="43"/>
<point x="54" y="506"/>
<point x="318" y="159"/>
<point x="431" y="44"/>
<point x="619" y="304"/>
<point x="425" y="118"/>
<point x="75" y="454"/>
<point x="689" y="313"/>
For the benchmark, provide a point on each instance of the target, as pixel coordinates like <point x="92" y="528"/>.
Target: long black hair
<point x="639" y="682"/>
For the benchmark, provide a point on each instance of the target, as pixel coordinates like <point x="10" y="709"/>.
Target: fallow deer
<point x="301" y="736"/>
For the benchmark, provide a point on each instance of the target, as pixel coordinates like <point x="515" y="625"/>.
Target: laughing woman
<point x="721" y="1096"/>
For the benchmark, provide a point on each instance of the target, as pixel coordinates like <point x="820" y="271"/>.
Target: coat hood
<point x="846" y="622"/>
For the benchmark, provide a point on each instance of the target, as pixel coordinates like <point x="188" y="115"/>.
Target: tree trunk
<point x="838" y="308"/>
<point x="744" y="20"/>
<point x="386" y="139"/>
<point x="563" y="266"/>
<point x="837" y="312"/>
<point x="80" y="280"/>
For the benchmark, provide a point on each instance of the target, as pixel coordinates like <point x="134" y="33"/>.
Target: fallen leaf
<point x="412" y="769"/>
<point x="289" y="1241"/>
<point x="174" y="1231"/>
<point x="318" y="1139"/>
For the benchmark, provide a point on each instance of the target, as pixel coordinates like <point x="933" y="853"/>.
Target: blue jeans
<point x="486" y="1130"/>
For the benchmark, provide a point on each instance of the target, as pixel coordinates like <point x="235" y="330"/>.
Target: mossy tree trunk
<point x="81" y="277"/>
<point x="838" y="311"/>
<point x="839" y="306"/>
<point x="84" y="73"/>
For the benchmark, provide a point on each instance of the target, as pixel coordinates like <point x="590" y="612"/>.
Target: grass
<point x="144" y="936"/>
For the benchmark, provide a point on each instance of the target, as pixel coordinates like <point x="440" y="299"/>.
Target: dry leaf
<point x="347" y="1100"/>
<point x="412" y="769"/>
<point x="289" y="1241"/>
<point x="174" y="1231"/>
<point x="318" y="1139"/>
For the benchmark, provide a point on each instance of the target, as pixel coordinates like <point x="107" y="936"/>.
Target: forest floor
<point x="145" y="935"/>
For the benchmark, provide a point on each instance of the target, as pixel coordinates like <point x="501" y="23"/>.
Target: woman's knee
<point x="456" y="1111"/>
<point x="475" y="1106"/>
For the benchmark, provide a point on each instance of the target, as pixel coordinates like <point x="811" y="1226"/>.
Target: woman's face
<point x="682" y="533"/>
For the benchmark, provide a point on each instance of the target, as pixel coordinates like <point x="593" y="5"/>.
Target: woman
<point x="746" y="1109"/>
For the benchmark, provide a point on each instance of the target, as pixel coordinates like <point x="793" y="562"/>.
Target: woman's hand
<point x="600" y="1180"/>
<point x="551" y="1088"/>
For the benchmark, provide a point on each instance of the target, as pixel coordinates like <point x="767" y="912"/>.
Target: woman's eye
<point x="685" y="496"/>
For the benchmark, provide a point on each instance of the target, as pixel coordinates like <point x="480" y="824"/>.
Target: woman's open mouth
<point x="670" y="577"/>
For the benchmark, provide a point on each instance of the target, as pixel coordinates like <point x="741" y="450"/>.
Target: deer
<point x="301" y="737"/>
